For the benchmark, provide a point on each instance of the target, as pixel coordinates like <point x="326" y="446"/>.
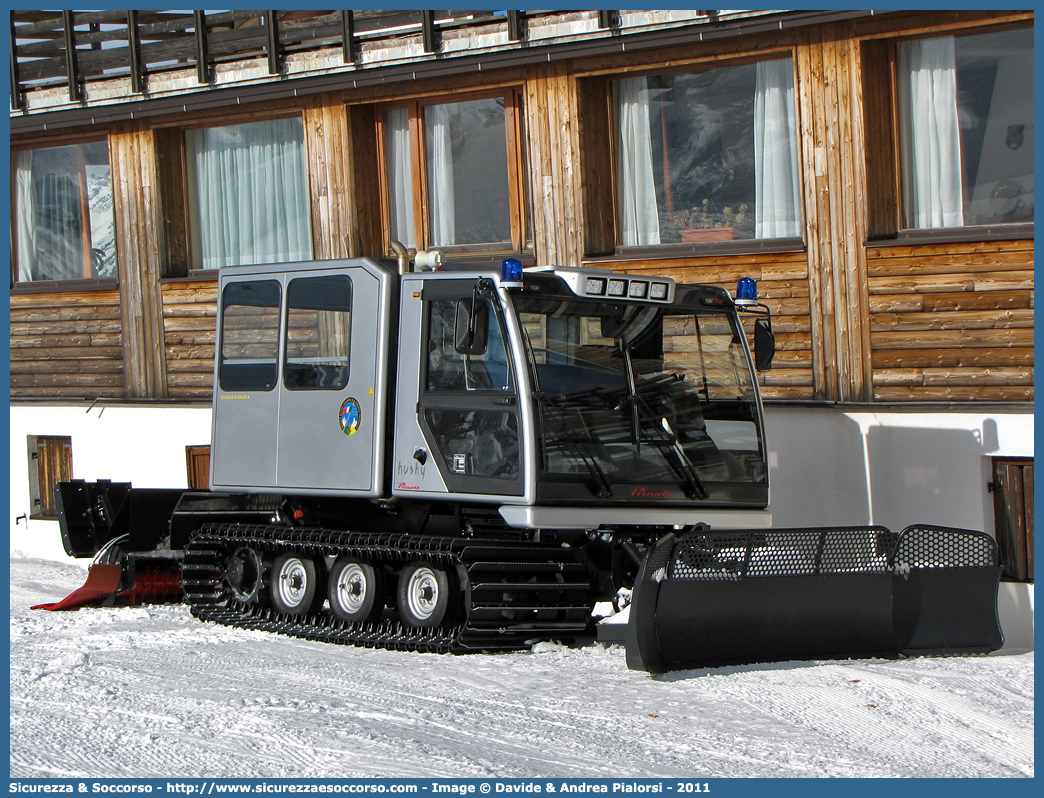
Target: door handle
<point x="507" y="400"/>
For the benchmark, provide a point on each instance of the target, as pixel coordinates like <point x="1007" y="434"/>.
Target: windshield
<point x="642" y="398"/>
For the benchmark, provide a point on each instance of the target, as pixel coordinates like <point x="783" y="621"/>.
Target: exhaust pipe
<point x="402" y="255"/>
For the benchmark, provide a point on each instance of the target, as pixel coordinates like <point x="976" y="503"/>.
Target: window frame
<point x="606" y="81"/>
<point x="899" y="232"/>
<point x="181" y="260"/>
<point x="518" y="206"/>
<point x="74" y="284"/>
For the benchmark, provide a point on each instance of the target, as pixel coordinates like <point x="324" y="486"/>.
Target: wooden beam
<point x="138" y="234"/>
<point x="850" y="204"/>
<point x="202" y="48"/>
<point x="274" y="51"/>
<point x="431" y="35"/>
<point x="134" y="46"/>
<point x="348" y="37"/>
<point x="516" y="26"/>
<point x="70" y="57"/>
<point x="814" y="181"/>
<point x="17" y="101"/>
<point x="557" y="195"/>
<point x="328" y="150"/>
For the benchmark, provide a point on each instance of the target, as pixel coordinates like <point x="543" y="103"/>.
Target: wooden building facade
<point x="869" y="304"/>
<point x="867" y="307"/>
<point x="873" y="171"/>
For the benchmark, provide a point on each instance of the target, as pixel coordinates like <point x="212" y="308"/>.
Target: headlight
<point x="595" y="285"/>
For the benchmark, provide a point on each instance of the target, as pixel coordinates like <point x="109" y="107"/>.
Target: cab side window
<point x="469" y="405"/>
<point x="318" y="333"/>
<point x="248" y="355"/>
<point x="448" y="370"/>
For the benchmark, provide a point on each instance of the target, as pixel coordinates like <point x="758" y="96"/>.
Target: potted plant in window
<point x="707" y="224"/>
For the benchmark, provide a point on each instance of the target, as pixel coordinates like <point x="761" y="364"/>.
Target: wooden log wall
<point x="952" y="321"/>
<point x="66" y="345"/>
<point x="189" y="318"/>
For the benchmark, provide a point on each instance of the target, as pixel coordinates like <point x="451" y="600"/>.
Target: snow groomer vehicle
<point x="468" y="459"/>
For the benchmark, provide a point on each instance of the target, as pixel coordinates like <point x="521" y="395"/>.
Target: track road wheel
<point x="296" y="588"/>
<point x="424" y="595"/>
<point x="243" y="572"/>
<point x="355" y="590"/>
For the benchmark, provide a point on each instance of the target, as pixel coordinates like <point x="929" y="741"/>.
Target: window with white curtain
<point x="452" y="173"/>
<point x="248" y="194"/>
<point x="64" y="227"/>
<point x="966" y="129"/>
<point x="708" y="155"/>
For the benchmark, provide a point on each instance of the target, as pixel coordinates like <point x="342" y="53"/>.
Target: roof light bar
<point x="605" y="283"/>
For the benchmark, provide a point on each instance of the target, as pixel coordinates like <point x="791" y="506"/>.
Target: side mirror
<point x="764" y="345"/>
<point x="471" y="328"/>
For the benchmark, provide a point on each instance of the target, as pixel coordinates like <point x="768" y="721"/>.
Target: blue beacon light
<point x="746" y="291"/>
<point x="511" y="272"/>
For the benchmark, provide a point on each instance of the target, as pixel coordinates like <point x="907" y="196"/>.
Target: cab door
<point x="327" y="435"/>
<point x="469" y="406"/>
<point x="246" y="382"/>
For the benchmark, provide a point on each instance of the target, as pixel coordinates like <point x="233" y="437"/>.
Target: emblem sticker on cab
<point x="350" y="416"/>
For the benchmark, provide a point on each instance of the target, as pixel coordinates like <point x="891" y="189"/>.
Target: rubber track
<point x="517" y="593"/>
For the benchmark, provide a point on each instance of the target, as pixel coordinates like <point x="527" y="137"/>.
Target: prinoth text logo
<point x="644" y="492"/>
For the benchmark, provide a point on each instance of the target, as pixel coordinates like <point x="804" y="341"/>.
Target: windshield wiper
<point x="579" y="449"/>
<point x="632" y="389"/>
<point x="666" y="441"/>
<point x="686" y="465"/>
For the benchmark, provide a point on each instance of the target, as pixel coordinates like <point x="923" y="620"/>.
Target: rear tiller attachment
<point x="709" y="598"/>
<point x="116" y="580"/>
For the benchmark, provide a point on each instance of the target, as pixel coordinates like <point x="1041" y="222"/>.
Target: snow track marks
<point x="154" y="692"/>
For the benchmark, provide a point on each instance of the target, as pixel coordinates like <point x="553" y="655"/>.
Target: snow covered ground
<point x="152" y="692"/>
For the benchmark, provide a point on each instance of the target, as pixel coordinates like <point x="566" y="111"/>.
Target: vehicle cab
<point x="554" y="389"/>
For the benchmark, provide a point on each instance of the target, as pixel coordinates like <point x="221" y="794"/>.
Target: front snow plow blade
<point x="709" y="598"/>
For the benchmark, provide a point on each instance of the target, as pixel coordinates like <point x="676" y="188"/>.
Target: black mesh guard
<point x="923" y="546"/>
<point x="747" y="554"/>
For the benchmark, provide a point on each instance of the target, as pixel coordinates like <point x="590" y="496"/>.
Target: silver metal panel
<point x="243" y="439"/>
<point x="528" y="432"/>
<point x="409" y="476"/>
<point x="595" y="517"/>
<point x="315" y="450"/>
<point x="292" y="440"/>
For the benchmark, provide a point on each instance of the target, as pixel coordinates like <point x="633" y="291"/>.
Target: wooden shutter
<point x="1012" y="488"/>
